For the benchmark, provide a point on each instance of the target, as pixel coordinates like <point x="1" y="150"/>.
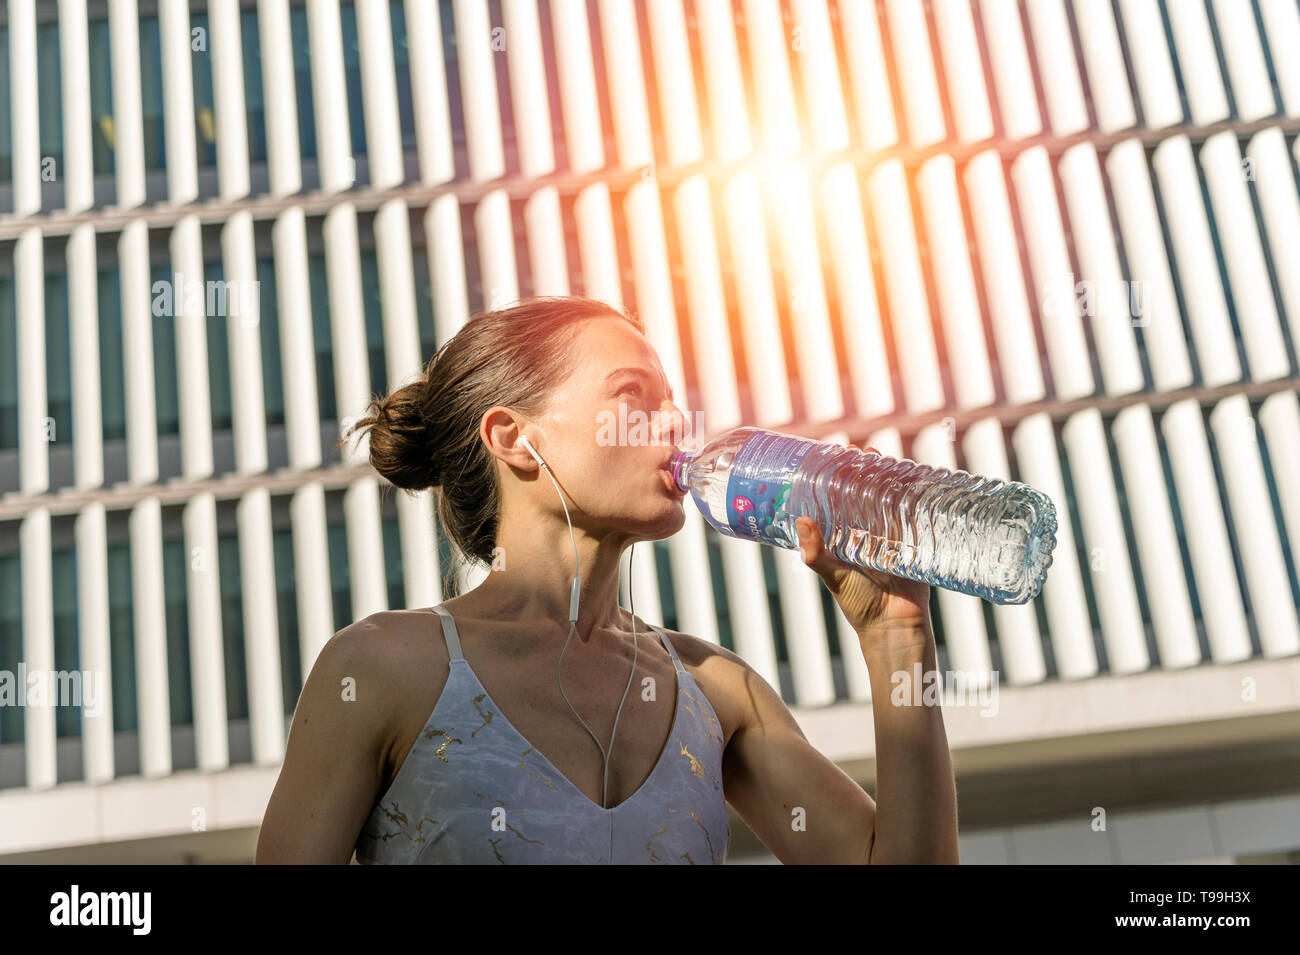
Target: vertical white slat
<point x="334" y="160"/>
<point x="29" y="288"/>
<point x="315" y="609"/>
<point x="909" y="307"/>
<point x="1054" y="45"/>
<point x="1245" y="58"/>
<point x="532" y="126"/>
<point x="1207" y="99"/>
<point x="963" y="619"/>
<point x="1152" y="67"/>
<point x="228" y="98"/>
<point x="311" y="564"/>
<point x="858" y="304"/>
<point x="199" y="515"/>
<point x="1155" y="537"/>
<point x="1054" y="280"/>
<point x="1207" y="533"/>
<point x="77" y="173"/>
<point x="248" y="405"/>
<point x="492" y="219"/>
<point x="1207" y="310"/>
<point x="823" y="100"/>
<point x="442" y="229"/>
<point x="429" y="103"/>
<point x="207" y="650"/>
<point x="815" y="361"/>
<point x="24" y="109"/>
<point x="1282" y="31"/>
<point x="362" y="515"/>
<point x="1279" y="416"/>
<point x="910" y="39"/>
<point x="1236" y="436"/>
<point x="379" y="93"/>
<point x="1094" y="244"/>
<point x="1144" y="248"/>
<point x="774" y="103"/>
<point x="83" y="317"/>
<point x="137" y="351"/>
<point x="1103" y="531"/>
<point x="959" y="307"/>
<point x="1004" y="283"/>
<point x="275" y="36"/>
<point x="1275" y="186"/>
<point x="584" y="143"/>
<point x="1012" y="77"/>
<point x="1238" y="235"/>
<point x="39" y="727"/>
<point x="1019" y="638"/>
<point x="1108" y="86"/>
<point x="1070" y="628"/>
<point x="960" y="53"/>
<point x="150" y="634"/>
<point x="261" y="631"/>
<point x="94" y="654"/>
<point x="872" y="100"/>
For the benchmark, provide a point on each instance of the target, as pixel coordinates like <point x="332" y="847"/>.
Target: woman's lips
<point x="670" y="483"/>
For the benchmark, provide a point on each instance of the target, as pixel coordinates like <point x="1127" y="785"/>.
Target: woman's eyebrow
<point x="640" y="373"/>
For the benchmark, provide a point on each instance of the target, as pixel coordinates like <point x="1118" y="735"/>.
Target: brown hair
<point x="425" y="433"/>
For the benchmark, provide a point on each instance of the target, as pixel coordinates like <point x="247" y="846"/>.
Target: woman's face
<point x="609" y="432"/>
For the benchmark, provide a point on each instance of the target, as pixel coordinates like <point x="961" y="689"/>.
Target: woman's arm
<point x="916" y="792"/>
<point x="916" y="811"/>
<point x="334" y="761"/>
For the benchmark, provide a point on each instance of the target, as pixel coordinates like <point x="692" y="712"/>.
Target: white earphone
<point x="573" y="623"/>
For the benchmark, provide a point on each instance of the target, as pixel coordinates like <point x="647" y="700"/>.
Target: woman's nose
<point x="672" y="424"/>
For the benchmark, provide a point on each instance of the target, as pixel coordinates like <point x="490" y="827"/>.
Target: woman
<point x="445" y="736"/>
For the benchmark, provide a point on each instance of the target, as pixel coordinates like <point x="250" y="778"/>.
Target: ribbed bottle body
<point x="981" y="536"/>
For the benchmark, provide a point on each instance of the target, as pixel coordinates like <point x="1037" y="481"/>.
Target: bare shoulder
<point x="719" y="672"/>
<point x="395" y="657"/>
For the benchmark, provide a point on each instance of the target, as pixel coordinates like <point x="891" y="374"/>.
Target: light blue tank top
<point x="474" y="790"/>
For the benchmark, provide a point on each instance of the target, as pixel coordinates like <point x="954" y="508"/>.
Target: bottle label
<point x="759" y="484"/>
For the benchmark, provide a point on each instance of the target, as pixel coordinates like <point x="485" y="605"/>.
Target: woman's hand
<point x="877" y="605"/>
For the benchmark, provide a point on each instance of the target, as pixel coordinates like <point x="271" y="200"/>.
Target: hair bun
<point x="401" y="448"/>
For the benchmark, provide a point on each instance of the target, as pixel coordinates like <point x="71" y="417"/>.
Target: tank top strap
<point x="668" y="644"/>
<point x="449" y="633"/>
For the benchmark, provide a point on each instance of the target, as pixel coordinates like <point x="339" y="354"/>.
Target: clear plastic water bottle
<point x="981" y="536"/>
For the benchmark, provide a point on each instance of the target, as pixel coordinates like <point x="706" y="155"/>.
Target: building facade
<point x="1056" y="241"/>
